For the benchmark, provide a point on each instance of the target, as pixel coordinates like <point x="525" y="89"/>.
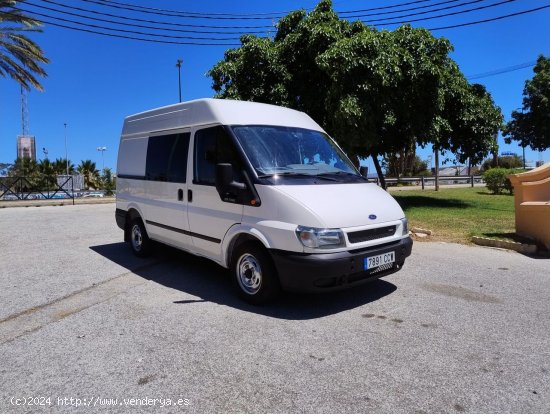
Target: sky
<point x="94" y="81"/>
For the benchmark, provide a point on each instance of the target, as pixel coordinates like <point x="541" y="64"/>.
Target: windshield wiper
<point x="298" y="175"/>
<point x="339" y="173"/>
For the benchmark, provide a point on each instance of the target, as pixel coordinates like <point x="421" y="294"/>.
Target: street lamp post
<point x="178" y="65"/>
<point x="66" y="156"/>
<point x="102" y="149"/>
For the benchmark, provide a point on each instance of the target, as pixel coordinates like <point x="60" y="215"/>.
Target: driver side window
<point x="212" y="146"/>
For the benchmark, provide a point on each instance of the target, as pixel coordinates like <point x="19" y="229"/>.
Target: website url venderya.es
<point x="99" y="402"/>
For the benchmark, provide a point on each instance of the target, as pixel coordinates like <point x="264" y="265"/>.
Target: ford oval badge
<point x="372" y="217"/>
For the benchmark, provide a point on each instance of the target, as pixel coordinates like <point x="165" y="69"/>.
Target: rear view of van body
<point x="259" y="189"/>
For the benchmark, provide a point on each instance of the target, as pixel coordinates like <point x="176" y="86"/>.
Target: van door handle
<point x="180" y="195"/>
<point x="189" y="196"/>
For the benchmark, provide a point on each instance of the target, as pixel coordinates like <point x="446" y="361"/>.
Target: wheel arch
<point x="237" y="237"/>
<point x="132" y="213"/>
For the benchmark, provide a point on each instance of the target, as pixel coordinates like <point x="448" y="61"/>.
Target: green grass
<point x="457" y="214"/>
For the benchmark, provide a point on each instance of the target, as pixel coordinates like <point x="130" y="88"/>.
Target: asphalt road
<point x="459" y="329"/>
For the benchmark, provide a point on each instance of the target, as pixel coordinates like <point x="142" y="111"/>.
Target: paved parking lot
<point x="83" y="322"/>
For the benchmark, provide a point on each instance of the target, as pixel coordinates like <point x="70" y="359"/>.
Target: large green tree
<point x="283" y="70"/>
<point x="469" y="122"/>
<point x="20" y="57"/>
<point x="385" y="89"/>
<point x="531" y="126"/>
<point x="378" y="92"/>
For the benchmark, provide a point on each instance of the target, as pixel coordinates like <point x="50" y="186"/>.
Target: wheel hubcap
<point x="136" y="237"/>
<point x="249" y="274"/>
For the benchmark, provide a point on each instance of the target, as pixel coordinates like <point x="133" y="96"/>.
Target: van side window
<point x="212" y="146"/>
<point x="167" y="157"/>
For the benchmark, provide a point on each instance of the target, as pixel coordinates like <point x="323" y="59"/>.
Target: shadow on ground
<point x="206" y="280"/>
<point x="505" y="193"/>
<point x="407" y="202"/>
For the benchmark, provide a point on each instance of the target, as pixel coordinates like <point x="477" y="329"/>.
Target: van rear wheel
<point x="139" y="240"/>
<point x="254" y="274"/>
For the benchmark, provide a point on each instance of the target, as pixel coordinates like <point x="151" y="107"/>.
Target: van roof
<point x="215" y="111"/>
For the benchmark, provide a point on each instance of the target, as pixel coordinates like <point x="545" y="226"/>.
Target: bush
<point x="508" y="184"/>
<point x="496" y="178"/>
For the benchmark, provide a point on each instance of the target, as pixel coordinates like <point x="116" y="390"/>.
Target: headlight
<point x="405" y="224"/>
<point x="320" y="238"/>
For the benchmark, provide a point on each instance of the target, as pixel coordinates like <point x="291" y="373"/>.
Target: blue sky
<point x="95" y="81"/>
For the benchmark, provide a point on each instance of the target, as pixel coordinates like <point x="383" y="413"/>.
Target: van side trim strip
<point x="186" y="232"/>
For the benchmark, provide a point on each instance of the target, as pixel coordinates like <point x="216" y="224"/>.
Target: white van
<point x="259" y="189"/>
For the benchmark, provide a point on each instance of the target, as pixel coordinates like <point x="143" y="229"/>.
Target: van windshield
<point x="276" y="150"/>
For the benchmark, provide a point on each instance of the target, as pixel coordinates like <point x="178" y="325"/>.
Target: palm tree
<point x="25" y="175"/>
<point x="47" y="175"/>
<point x="23" y="167"/>
<point x="60" y="166"/>
<point x="20" y="57"/>
<point x="108" y="182"/>
<point x="46" y="167"/>
<point x="88" y="169"/>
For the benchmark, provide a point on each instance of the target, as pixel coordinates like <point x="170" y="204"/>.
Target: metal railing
<point x="430" y="181"/>
<point x="37" y="188"/>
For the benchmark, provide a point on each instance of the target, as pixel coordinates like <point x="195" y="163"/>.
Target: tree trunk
<point x="436" y="170"/>
<point x="379" y="171"/>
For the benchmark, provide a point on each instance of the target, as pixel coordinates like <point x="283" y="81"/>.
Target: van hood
<point x="344" y="205"/>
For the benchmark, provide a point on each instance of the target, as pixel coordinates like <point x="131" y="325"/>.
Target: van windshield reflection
<point x="286" y="151"/>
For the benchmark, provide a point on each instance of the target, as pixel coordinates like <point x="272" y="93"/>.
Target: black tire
<point x="140" y="243"/>
<point x="254" y="275"/>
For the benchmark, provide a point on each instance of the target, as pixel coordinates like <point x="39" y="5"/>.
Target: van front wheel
<point x="254" y="275"/>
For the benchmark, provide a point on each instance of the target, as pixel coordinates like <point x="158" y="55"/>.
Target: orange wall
<point x="532" y="203"/>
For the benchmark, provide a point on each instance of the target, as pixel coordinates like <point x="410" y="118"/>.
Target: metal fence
<point x="430" y="181"/>
<point x="41" y="187"/>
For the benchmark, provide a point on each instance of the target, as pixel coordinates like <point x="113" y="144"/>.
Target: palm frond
<point x="20" y="57"/>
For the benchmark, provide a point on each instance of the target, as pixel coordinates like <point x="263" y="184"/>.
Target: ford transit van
<point x="259" y="189"/>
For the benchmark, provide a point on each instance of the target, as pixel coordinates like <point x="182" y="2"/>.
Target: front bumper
<point x="322" y="272"/>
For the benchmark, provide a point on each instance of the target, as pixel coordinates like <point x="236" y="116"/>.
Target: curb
<point x="421" y="231"/>
<point x="505" y="244"/>
<point x="56" y="202"/>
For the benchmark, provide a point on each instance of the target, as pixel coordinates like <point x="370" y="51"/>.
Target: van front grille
<point x="371" y="234"/>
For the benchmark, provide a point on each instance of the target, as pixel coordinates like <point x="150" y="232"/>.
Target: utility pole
<point x="178" y="65"/>
<point x="66" y="156"/>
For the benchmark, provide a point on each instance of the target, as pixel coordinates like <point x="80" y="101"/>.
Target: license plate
<point x="380" y="260"/>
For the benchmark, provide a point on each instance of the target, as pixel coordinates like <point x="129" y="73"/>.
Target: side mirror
<point x="224" y="179"/>
<point x="364" y="171"/>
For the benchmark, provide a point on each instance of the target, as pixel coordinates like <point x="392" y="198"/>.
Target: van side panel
<point x="131" y="158"/>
